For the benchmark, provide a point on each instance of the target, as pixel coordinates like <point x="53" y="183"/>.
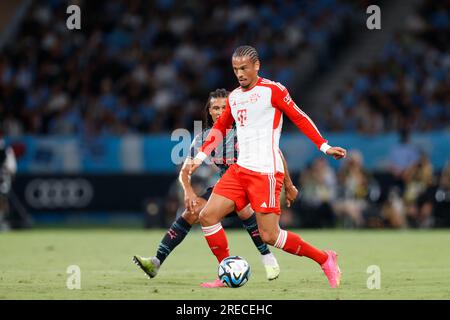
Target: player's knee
<point x="204" y="217"/>
<point x="268" y="236"/>
<point x="191" y="218"/>
<point x="245" y="213"/>
<point x="208" y="217"/>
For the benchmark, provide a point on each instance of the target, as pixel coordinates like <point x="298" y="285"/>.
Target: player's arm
<point x="190" y="197"/>
<point x="184" y="177"/>
<point x="283" y="101"/>
<point x="215" y="136"/>
<point x="289" y="188"/>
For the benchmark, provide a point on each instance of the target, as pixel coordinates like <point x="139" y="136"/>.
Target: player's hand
<point x="190" y="201"/>
<point x="337" y="152"/>
<point x="291" y="193"/>
<point x="193" y="165"/>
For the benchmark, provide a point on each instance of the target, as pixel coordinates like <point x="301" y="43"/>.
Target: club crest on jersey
<point x="242" y="117"/>
<point x="254" y="97"/>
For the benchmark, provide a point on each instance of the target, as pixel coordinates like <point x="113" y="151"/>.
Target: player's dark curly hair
<point x="246" y="51"/>
<point x="218" y="93"/>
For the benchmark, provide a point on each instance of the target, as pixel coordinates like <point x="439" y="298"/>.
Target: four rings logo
<point x="59" y="193"/>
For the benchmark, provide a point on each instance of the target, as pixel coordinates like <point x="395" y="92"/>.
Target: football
<point x="234" y="271"/>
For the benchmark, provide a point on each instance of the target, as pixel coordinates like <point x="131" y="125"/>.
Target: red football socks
<point x="217" y="241"/>
<point x="292" y="243"/>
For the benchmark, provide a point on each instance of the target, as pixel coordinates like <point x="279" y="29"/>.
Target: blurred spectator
<point x="393" y="210"/>
<point x="317" y="192"/>
<point x="419" y="193"/>
<point x="444" y="180"/>
<point x="403" y="155"/>
<point x="442" y="196"/>
<point x="353" y="191"/>
<point x="8" y="169"/>
<point x="414" y="206"/>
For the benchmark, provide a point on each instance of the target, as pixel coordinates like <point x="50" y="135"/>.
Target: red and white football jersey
<point x="258" y="113"/>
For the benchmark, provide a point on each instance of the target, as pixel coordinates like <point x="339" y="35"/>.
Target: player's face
<point x="217" y="106"/>
<point x="245" y="71"/>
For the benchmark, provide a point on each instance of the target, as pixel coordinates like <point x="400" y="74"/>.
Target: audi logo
<point x="59" y="193"/>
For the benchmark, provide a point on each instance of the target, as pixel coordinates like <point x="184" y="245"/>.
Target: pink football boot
<point x="212" y="284"/>
<point x="331" y="269"/>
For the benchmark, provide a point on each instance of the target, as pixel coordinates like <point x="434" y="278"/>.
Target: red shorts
<point x="243" y="186"/>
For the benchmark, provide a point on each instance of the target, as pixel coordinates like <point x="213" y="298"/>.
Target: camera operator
<point x="8" y="168"/>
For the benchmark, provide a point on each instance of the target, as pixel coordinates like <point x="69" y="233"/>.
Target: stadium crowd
<point x="150" y="73"/>
<point x="408" y="87"/>
<point x="146" y="66"/>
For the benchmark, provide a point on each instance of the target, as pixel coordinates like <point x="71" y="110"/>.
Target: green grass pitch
<point x="33" y="265"/>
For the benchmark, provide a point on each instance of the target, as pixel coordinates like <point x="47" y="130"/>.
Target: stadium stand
<point x="146" y="67"/>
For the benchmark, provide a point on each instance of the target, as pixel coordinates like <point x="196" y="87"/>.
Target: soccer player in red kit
<point x="257" y="106"/>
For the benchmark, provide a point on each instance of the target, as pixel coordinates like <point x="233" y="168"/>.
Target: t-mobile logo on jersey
<point x="242" y="117"/>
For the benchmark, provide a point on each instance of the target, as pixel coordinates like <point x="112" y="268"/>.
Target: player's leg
<point x="214" y="211"/>
<point x="173" y="237"/>
<point x="227" y="195"/>
<point x="264" y="194"/>
<point x="288" y="241"/>
<point x="266" y="203"/>
<point x="292" y="243"/>
<point x="179" y="229"/>
<point x="270" y="263"/>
